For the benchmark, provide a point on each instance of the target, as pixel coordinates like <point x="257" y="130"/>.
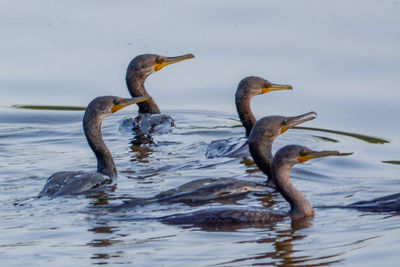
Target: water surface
<point x="79" y="230"/>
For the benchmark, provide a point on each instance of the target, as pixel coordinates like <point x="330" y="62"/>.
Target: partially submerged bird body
<point x="208" y="190"/>
<point x="390" y="203"/>
<point x="73" y="183"/>
<point x="150" y="120"/>
<point x="247" y="88"/>
<point x="224" y="217"/>
<point x="199" y="192"/>
<point x="231" y="147"/>
<point x="284" y="159"/>
<point x="147" y="124"/>
<point x="216" y="190"/>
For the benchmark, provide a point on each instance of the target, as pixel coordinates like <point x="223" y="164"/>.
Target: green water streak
<point x="69" y="108"/>
<point x="392" y="162"/>
<point x="366" y="138"/>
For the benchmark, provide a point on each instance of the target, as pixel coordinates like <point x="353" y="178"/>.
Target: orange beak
<point x="128" y="101"/>
<point x="165" y="61"/>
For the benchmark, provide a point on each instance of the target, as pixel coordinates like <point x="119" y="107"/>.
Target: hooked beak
<point x="171" y="60"/>
<point x="293" y="121"/>
<point x="320" y="154"/>
<point x="129" y="101"/>
<point x="276" y="87"/>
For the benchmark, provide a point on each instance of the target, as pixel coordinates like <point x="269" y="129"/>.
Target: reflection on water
<point x="35" y="107"/>
<point x="284" y="249"/>
<point x="369" y="139"/>
<point x="140" y="152"/>
<point x="81" y="230"/>
<point x="392" y="161"/>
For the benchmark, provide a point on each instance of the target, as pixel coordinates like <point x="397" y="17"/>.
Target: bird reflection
<point x="286" y="244"/>
<point x="250" y="165"/>
<point x="101" y="197"/>
<point x="141" y="153"/>
<point x="102" y="230"/>
<point x="102" y="242"/>
<point x="282" y="243"/>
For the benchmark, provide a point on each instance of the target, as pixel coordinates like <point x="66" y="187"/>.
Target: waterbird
<point x="247" y="88"/>
<point x="78" y="182"/>
<point x="283" y="161"/>
<point x="150" y="119"/>
<point x="206" y="190"/>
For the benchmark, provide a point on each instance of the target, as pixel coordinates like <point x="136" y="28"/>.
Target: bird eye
<point x="285" y="121"/>
<point x="302" y="153"/>
<point x="115" y="101"/>
<point x="158" y="60"/>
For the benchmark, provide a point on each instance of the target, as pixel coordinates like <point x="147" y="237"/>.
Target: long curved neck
<point x="135" y="84"/>
<point x="92" y="129"/>
<point x="246" y="116"/>
<point x="262" y="156"/>
<point x="299" y="206"/>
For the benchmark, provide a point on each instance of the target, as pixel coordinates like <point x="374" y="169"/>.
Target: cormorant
<point x="78" y="182"/>
<point x="150" y="120"/>
<point x="247" y="88"/>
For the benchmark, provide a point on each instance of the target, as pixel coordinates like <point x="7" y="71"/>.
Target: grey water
<point x="341" y="58"/>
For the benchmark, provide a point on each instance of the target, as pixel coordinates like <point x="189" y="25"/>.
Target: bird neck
<point x="299" y="206"/>
<point x="92" y="129"/>
<point x="246" y="116"/>
<point x="135" y="84"/>
<point x="262" y="156"/>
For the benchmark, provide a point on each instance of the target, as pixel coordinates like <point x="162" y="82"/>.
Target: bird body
<point x="199" y="192"/>
<point x="73" y="183"/>
<point x="390" y="203"/>
<point x="153" y="124"/>
<point x="224" y="217"/>
<point x="231" y="147"/>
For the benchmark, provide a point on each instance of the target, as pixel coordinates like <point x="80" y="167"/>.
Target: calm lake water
<point x="342" y="59"/>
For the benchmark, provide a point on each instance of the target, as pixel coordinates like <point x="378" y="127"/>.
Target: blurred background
<point x="342" y="59"/>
